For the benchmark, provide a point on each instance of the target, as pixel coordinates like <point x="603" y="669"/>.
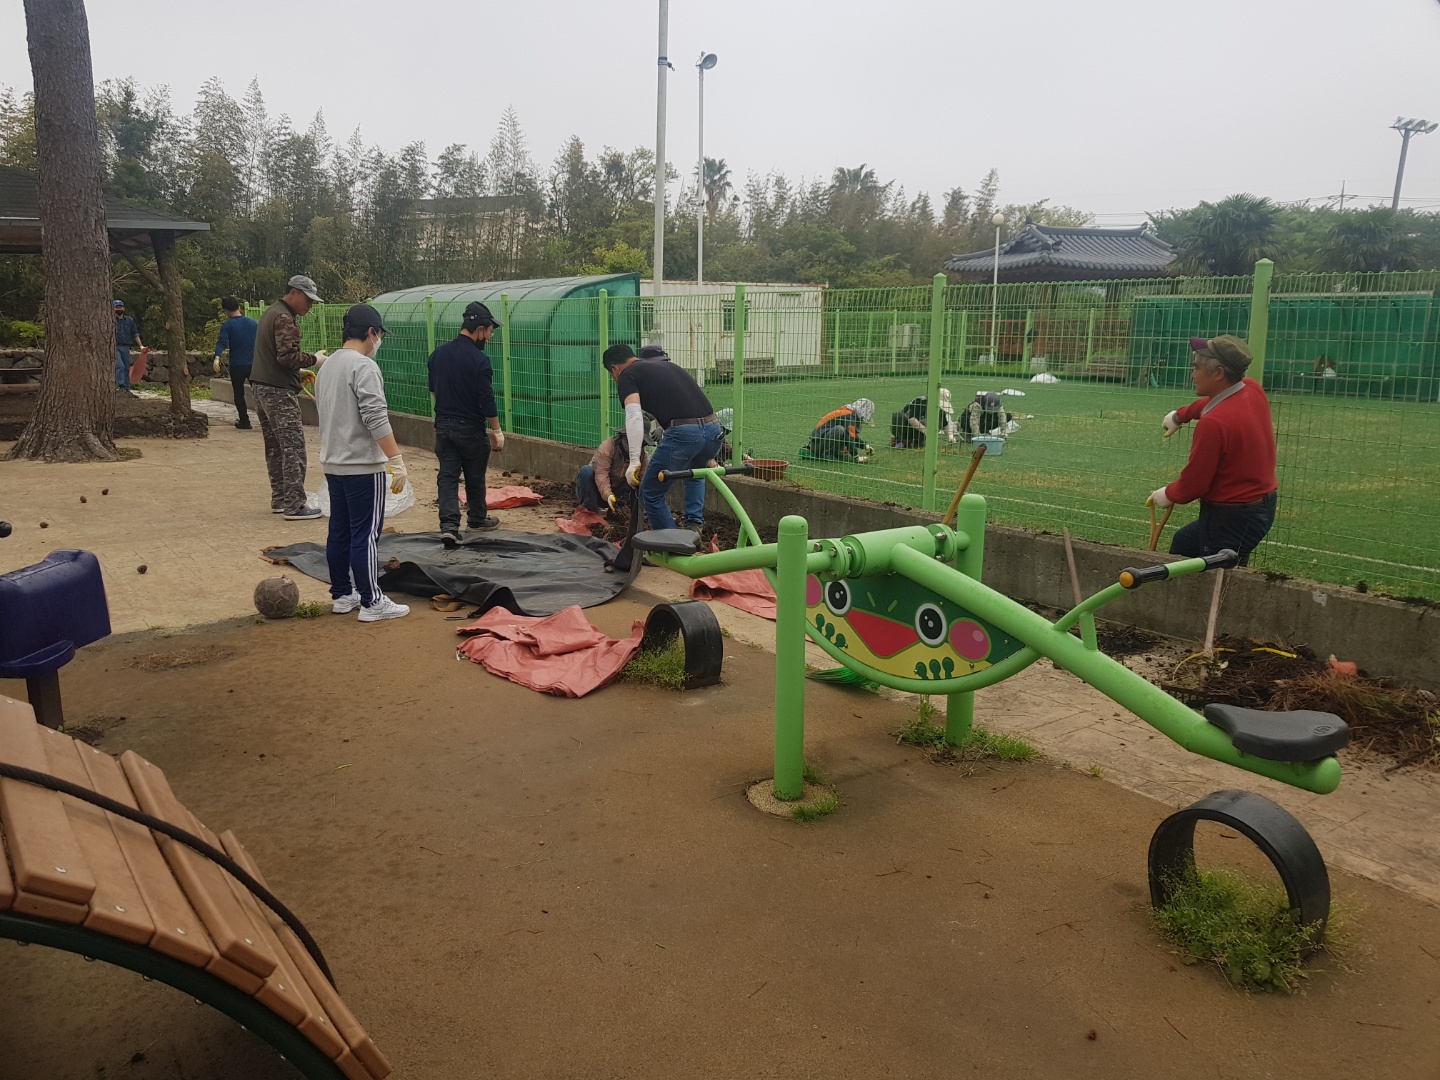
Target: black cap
<point x="361" y="317"/>
<point x="478" y="315"/>
<point x="652" y="352"/>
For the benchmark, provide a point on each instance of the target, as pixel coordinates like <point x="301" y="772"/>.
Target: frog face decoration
<point x="894" y="626"/>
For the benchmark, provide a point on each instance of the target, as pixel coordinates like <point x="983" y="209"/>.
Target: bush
<point x="17" y="333"/>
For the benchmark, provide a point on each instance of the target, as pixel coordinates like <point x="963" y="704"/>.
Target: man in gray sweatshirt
<point x="360" y="459"/>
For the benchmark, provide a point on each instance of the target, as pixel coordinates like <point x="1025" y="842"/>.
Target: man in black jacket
<point x="467" y="424"/>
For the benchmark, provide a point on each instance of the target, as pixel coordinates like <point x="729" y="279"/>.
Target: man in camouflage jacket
<point x="275" y="379"/>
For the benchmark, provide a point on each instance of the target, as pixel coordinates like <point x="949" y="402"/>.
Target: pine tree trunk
<point x="75" y="413"/>
<point x="173" y="302"/>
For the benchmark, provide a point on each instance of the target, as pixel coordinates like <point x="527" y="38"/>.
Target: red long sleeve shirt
<point x="1232" y="454"/>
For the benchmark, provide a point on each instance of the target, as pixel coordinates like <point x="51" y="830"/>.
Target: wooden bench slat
<point x="350" y="1065"/>
<point x="308" y="1014"/>
<point x="179" y="933"/>
<point x="43" y="850"/>
<point x="116" y="908"/>
<point x="355" y="1036"/>
<point x="44" y="907"/>
<point x="203" y="881"/>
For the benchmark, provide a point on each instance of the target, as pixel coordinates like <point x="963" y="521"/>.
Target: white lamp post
<point x="998" y="220"/>
<point x="704" y="64"/>
<point x="663" y="69"/>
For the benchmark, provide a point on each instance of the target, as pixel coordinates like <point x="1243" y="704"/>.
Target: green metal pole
<point x="737" y="433"/>
<point x="1025" y="348"/>
<point x="970" y="561"/>
<point x="835" y="341"/>
<point x="505" y="356"/>
<point x="932" y="393"/>
<point x="894" y="339"/>
<point x="793" y="538"/>
<point x="1090" y="339"/>
<point x="604" y="375"/>
<point x="964" y="341"/>
<point x="429" y="325"/>
<point x="1260" y="318"/>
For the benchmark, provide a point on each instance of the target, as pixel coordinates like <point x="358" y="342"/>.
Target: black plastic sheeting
<point x="527" y="573"/>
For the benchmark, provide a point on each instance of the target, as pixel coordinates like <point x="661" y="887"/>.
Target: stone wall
<point x="25" y="365"/>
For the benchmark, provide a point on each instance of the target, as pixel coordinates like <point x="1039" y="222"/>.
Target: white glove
<point x="632" y="473"/>
<point x="497" y="440"/>
<point x="1171" y="423"/>
<point x="398" y="474"/>
<point x="1159" y="500"/>
<point x="320" y="357"/>
<point x="217" y="365"/>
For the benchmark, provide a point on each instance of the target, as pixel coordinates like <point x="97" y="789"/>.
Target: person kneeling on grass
<point x="1232" y="455"/>
<point x="360" y="459"/>
<point x="837" y="434"/>
<point x="907" y="427"/>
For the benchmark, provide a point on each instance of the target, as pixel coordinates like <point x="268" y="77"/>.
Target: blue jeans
<point x="357" y="514"/>
<point x="587" y="493"/>
<point x="122" y="366"/>
<point x="690" y="446"/>
<point x="1221" y="527"/>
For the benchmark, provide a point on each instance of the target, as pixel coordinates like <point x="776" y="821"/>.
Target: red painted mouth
<point x="883" y="637"/>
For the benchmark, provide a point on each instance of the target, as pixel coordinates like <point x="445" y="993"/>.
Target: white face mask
<point x="374" y="347"/>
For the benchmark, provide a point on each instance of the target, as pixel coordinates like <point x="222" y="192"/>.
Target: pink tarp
<point x="748" y="590"/>
<point x="507" y="498"/>
<point x="580" y="521"/>
<point x="559" y="654"/>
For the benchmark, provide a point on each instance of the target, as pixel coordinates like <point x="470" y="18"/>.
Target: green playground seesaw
<point x="907" y="608"/>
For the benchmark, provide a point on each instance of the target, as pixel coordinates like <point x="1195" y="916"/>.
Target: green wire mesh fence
<point x="1351" y="364"/>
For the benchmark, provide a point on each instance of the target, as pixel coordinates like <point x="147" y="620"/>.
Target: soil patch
<point x="169" y="661"/>
<point x="92" y="728"/>
<point x="135" y="418"/>
<point x="1118" y="641"/>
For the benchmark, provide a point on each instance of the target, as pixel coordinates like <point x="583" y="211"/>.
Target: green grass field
<point x="1359" y="481"/>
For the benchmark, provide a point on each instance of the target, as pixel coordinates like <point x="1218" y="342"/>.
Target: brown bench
<point x="84" y="875"/>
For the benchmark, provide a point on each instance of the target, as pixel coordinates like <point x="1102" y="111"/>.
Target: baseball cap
<point x="119" y="303"/>
<point x="652" y="352"/>
<point x="362" y="317"/>
<point x="477" y="315"/>
<point x="1233" y="354"/>
<point x="307" y="286"/>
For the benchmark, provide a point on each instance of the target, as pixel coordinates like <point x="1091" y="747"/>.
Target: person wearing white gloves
<point x="361" y="460"/>
<point x="467" y="423"/>
<point x="1231" y="469"/>
<point x="693" y="435"/>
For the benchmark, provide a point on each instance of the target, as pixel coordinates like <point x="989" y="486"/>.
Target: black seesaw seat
<point x="1300" y="735"/>
<point x="667" y="541"/>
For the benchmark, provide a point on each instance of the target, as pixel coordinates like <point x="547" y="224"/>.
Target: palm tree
<point x="717" y="184"/>
<point x="1230" y="236"/>
<point x="1371" y="240"/>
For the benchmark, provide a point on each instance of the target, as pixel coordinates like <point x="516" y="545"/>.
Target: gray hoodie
<point x="350" y="397"/>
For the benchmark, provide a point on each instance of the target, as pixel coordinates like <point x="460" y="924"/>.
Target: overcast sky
<point x="1114" y="106"/>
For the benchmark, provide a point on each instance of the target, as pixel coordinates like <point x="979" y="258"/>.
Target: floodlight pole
<point x="662" y="69"/>
<point x="1406" y="127"/>
<point x="997" y="221"/>
<point x="700" y="179"/>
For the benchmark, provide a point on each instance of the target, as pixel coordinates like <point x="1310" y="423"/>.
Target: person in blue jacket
<point x="237" y="333"/>
<point x="127" y="337"/>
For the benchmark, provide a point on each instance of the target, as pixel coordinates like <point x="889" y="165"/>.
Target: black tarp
<point x="527" y="573"/>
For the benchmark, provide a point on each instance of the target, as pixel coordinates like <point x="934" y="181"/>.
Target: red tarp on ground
<point x="507" y="498"/>
<point x="560" y="654"/>
<point x="580" y="521"/>
<point x="748" y="590"/>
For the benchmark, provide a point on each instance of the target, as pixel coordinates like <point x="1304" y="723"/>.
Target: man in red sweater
<point x="1232" y="456"/>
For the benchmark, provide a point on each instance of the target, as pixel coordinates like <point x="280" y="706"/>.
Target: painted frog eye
<point x="930" y="624"/>
<point x="837" y="597"/>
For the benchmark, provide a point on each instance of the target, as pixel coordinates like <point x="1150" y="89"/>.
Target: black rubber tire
<point x="698" y="628"/>
<point x="1272" y="828"/>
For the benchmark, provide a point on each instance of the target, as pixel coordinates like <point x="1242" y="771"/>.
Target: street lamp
<point x="662" y="64"/>
<point x="1407" y="126"/>
<point x="998" y="220"/>
<point x="704" y="64"/>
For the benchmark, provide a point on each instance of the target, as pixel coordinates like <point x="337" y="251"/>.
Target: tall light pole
<point x="704" y="64"/>
<point x="997" y="221"/>
<point x="1407" y="126"/>
<point x="663" y="69"/>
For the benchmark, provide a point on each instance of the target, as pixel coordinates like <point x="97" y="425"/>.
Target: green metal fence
<point x="1351" y="364"/>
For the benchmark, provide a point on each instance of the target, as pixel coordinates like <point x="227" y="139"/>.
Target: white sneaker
<point x="343" y="605"/>
<point x="383" y="608"/>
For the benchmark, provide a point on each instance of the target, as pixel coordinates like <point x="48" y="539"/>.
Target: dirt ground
<point x="135" y="417"/>
<point x="517" y="886"/>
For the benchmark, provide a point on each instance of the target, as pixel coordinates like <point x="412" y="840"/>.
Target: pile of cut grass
<point x="663" y="667"/>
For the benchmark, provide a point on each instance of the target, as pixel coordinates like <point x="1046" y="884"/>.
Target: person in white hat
<point x="907" y="427"/>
